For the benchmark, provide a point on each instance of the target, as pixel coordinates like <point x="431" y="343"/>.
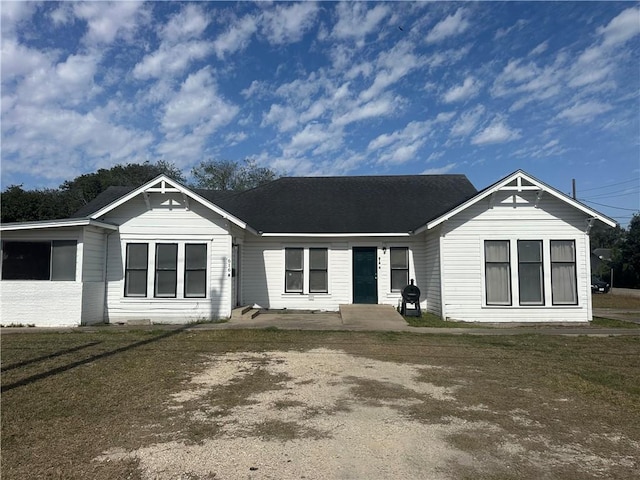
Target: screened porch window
<point x="195" y="270"/>
<point x="497" y="272"/>
<point x="399" y="268"/>
<point x="54" y="260"/>
<point x="564" y="289"/>
<point x="166" y="270"/>
<point x="530" y="277"/>
<point x="318" y="270"/>
<point x="294" y="276"/>
<point x="135" y="276"/>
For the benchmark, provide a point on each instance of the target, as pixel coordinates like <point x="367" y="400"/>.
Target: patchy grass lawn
<point x="612" y="323"/>
<point x="609" y="300"/>
<point x="115" y="404"/>
<point x="429" y="319"/>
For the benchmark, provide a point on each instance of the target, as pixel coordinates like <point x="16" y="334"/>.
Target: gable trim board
<point x="246" y="261"/>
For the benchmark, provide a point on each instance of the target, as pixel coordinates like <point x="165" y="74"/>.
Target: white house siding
<point x="432" y="286"/>
<point x="263" y="270"/>
<point x="462" y="241"/>
<point x="168" y="221"/>
<point x="93" y="270"/>
<point x="43" y="303"/>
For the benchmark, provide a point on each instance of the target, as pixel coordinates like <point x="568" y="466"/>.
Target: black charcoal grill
<point x="411" y="296"/>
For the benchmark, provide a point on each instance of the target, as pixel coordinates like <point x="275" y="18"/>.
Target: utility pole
<point x="573" y="184"/>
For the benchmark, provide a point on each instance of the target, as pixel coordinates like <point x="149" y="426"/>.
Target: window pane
<point x="136" y="283"/>
<point x="26" y="260"/>
<point x="195" y="283"/>
<point x="166" y="256"/>
<point x="293" y="258"/>
<point x="137" y="255"/>
<point x="165" y="283"/>
<point x="498" y="285"/>
<point x="318" y="281"/>
<point x="563" y="284"/>
<point x="318" y="258"/>
<point x="195" y="256"/>
<point x="530" y="250"/>
<point x="399" y="279"/>
<point x="399" y="258"/>
<point x="63" y="260"/>
<point x="496" y="250"/>
<point x="562" y="251"/>
<point x="530" y="279"/>
<point x="293" y="282"/>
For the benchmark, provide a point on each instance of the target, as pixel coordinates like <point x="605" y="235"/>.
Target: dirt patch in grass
<point x="324" y="405"/>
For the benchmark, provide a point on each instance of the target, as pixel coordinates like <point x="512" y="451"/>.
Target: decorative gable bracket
<point x="163" y="188"/>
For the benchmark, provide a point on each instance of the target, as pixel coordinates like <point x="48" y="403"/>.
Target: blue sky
<point x="328" y="89"/>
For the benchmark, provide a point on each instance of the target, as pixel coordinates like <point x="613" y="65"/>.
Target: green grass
<point x="69" y="397"/>
<point x="609" y="300"/>
<point x="612" y="323"/>
<point x="431" y="320"/>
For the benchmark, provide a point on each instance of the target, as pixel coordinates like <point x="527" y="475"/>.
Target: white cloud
<point x="284" y="117"/>
<point x="18" y="60"/>
<point x="497" y="132"/>
<point x="453" y="25"/>
<point x="581" y="112"/>
<point x="440" y="170"/>
<point x="107" y="21"/>
<point x="469" y="89"/>
<point x="356" y="21"/>
<point x="392" y="66"/>
<point x="467" y="122"/>
<point x="622" y="28"/>
<point x="540" y="48"/>
<point x="170" y="60"/>
<point x="197" y="106"/>
<point x="402" y="145"/>
<point x="12" y="14"/>
<point x="503" y="32"/>
<point x="237" y="38"/>
<point x="313" y="134"/>
<point x="189" y="23"/>
<point x="376" y="108"/>
<point x="287" y="24"/>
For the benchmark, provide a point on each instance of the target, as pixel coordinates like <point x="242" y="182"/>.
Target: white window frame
<point x="306" y="269"/>
<point x="180" y="268"/>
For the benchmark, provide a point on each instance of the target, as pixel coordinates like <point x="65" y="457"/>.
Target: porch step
<point x="244" y="313"/>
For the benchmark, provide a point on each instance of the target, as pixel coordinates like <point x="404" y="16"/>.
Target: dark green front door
<point x="365" y="275"/>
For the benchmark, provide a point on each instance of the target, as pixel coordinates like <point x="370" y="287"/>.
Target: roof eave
<point x="64" y="222"/>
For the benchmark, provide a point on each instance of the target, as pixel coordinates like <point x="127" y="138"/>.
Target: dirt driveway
<point x="328" y="414"/>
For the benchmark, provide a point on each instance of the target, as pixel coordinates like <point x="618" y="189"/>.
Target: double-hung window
<point x="399" y="268"/>
<point x="564" y="289"/>
<point x="166" y="278"/>
<point x="294" y="270"/>
<point x="530" y="275"/>
<point x="318" y="270"/>
<point x="135" y="276"/>
<point x="195" y="270"/>
<point x="497" y="272"/>
<point x="175" y="266"/>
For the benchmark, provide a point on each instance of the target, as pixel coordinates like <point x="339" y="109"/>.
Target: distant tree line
<point x="625" y="246"/>
<point x="19" y="205"/>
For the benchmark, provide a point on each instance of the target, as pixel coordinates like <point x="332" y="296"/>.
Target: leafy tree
<point x="626" y="262"/>
<point x="19" y="205"/>
<point x="230" y="175"/>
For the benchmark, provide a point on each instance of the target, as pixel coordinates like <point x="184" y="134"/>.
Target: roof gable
<point x="161" y="184"/>
<point x="516" y="182"/>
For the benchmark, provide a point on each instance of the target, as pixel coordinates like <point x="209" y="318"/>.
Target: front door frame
<point x="371" y="295"/>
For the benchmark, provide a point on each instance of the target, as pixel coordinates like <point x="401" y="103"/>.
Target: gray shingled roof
<point x="367" y="204"/>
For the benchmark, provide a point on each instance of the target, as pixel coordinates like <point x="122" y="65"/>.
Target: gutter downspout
<point x="105" y="273"/>
<point x="443" y="308"/>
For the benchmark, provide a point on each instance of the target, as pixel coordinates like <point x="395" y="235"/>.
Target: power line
<point x="607" y="195"/>
<point x="610" y="206"/>
<point x="610" y="185"/>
